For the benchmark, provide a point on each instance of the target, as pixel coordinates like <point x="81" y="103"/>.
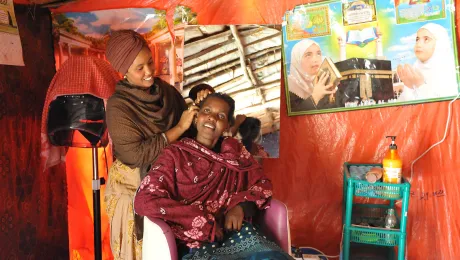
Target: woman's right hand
<point x="320" y="89"/>
<point x="187" y="118"/>
<point x="234" y="218"/>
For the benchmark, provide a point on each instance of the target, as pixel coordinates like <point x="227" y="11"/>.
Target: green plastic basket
<point x="374" y="237"/>
<point x="379" y="190"/>
<point x="373" y="214"/>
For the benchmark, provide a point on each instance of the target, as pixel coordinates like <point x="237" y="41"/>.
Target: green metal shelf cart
<point x="363" y="223"/>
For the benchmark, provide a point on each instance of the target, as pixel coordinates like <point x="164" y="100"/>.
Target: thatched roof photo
<point x="243" y="61"/>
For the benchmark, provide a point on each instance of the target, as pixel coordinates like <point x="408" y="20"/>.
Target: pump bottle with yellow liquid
<point x="392" y="164"/>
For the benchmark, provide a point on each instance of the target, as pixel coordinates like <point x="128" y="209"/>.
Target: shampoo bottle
<point x="392" y="164"/>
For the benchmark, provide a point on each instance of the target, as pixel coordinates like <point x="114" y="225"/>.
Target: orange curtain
<point x="79" y="166"/>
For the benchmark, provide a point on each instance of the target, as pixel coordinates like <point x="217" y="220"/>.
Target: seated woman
<point x="201" y="188"/>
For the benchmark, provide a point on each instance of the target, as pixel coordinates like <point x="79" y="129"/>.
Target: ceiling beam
<point x="244" y="66"/>
<point x="254" y="58"/>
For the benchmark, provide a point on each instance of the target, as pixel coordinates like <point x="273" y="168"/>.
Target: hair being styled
<point x="194" y="91"/>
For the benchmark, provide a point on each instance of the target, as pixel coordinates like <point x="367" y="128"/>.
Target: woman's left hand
<point x="201" y="95"/>
<point x="219" y="236"/>
<point x="234" y="218"/>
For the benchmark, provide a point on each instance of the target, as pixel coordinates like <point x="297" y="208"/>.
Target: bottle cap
<point x="392" y="145"/>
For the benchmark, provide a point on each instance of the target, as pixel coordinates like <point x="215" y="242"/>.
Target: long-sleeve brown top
<point x="136" y="119"/>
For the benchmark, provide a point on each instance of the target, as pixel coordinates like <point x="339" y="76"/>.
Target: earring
<point x="125" y="77"/>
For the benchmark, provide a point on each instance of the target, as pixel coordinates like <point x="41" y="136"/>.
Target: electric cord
<point x="449" y="115"/>
<point x="323" y="254"/>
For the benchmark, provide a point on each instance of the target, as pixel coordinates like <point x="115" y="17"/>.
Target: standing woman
<point x="144" y="115"/>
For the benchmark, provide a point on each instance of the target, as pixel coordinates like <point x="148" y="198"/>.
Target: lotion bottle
<point x="392" y="164"/>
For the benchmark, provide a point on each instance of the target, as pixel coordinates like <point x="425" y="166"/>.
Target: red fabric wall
<point x="33" y="204"/>
<point x="308" y="174"/>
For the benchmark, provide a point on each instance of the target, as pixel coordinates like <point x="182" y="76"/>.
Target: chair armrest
<point x="159" y="241"/>
<point x="274" y="223"/>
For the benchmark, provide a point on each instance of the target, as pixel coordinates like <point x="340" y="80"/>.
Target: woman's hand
<point x="320" y="89"/>
<point x="234" y="218"/>
<point x="233" y="130"/>
<point x="410" y="76"/>
<point x="187" y="118"/>
<point x="219" y="235"/>
<point x="201" y="95"/>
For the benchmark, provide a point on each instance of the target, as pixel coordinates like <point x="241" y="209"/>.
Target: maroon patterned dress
<point x="191" y="187"/>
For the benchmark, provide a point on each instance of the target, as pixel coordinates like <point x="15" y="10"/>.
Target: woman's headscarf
<point x="122" y="49"/>
<point x="299" y="82"/>
<point x="439" y="70"/>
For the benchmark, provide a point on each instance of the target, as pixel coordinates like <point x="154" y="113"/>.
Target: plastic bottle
<point x="392" y="164"/>
<point x="390" y="219"/>
<point x="390" y="223"/>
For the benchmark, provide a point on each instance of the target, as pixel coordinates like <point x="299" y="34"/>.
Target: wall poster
<point x="243" y="61"/>
<point x="10" y="47"/>
<point x="383" y="53"/>
<point x="87" y="34"/>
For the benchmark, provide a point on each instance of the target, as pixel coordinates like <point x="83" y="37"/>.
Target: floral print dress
<point x="192" y="188"/>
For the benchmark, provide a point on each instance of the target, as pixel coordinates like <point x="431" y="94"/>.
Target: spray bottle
<point x="392" y="164"/>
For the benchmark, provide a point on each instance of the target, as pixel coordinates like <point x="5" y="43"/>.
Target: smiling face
<point x="425" y="44"/>
<point x="140" y="73"/>
<point x="311" y="60"/>
<point x="212" y="120"/>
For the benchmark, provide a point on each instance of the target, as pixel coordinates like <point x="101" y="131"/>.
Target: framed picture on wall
<point x="8" y="22"/>
<point x="243" y="61"/>
<point x="87" y="33"/>
<point x="10" y="42"/>
<point x="380" y="54"/>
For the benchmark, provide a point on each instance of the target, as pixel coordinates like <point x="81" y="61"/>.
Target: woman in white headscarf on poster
<point x="434" y="73"/>
<point x="306" y="91"/>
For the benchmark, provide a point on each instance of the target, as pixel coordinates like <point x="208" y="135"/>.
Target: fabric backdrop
<point x="33" y="204"/>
